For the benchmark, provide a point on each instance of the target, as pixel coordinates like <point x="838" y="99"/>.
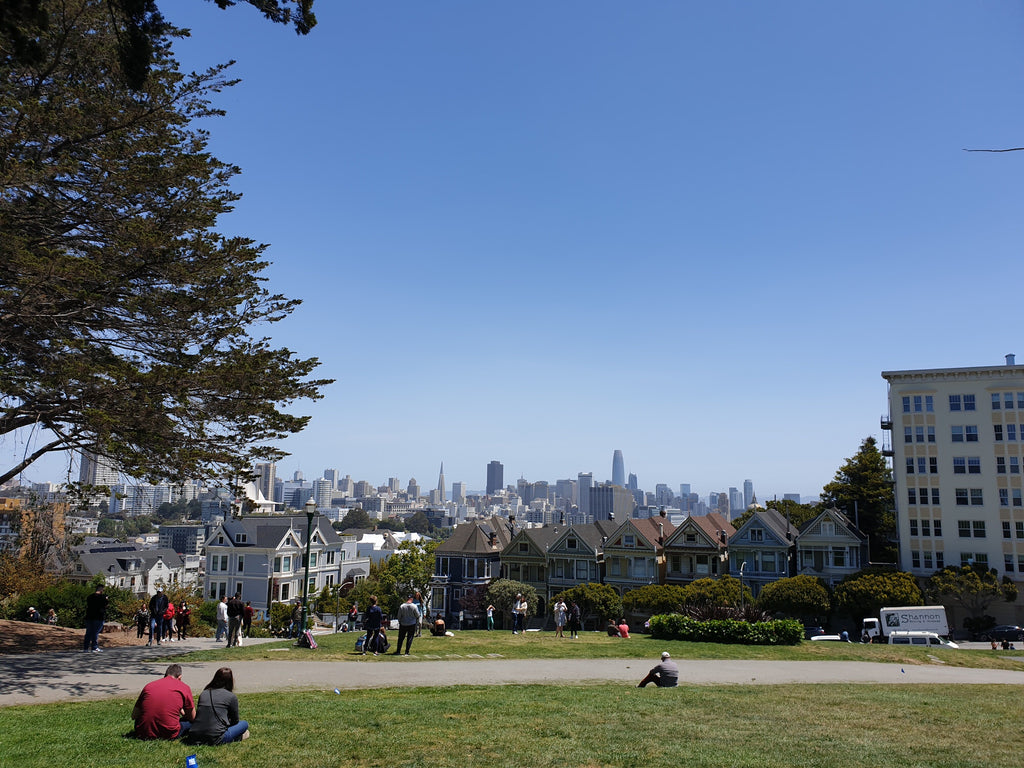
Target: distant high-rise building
<point x="662" y="495"/>
<point x="332" y="476"/>
<point x="610" y="500"/>
<point x="523" y="490"/>
<point x="297" y="476"/>
<point x="723" y="505"/>
<point x="346" y="486"/>
<point x="631" y="483"/>
<point x="618" y="469"/>
<point x="566" y="489"/>
<point x="266" y="479"/>
<point x="323" y="490"/>
<point x="440" y="486"/>
<point x="364" y="489"/>
<point x="413" y="490"/>
<point x="736" y="505"/>
<point x="791" y="497"/>
<point x="459" y="492"/>
<point x="684" y="490"/>
<point x="394" y="485"/>
<point x="748" y="493"/>
<point x="584" y="482"/>
<point x="495" y="477"/>
<point x="97" y="470"/>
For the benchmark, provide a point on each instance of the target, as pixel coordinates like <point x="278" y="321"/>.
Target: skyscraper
<point x="96" y="470"/>
<point x="266" y="477"/>
<point x="332" y="476"/>
<point x="495" y="477"/>
<point x="618" y="469"/>
<point x="748" y="493"/>
<point x="608" y="501"/>
<point x="584" y="482"/>
<point x="459" y="493"/>
<point x="413" y="489"/>
<point x="631" y="483"/>
<point x="440" y="484"/>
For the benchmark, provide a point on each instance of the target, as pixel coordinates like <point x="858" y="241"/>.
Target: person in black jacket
<point x="157" y="609"/>
<point x="371" y="623"/>
<point x="95" y="615"/>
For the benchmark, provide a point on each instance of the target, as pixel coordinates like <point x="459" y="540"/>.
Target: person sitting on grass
<point x="664" y="675"/>
<point x="216" y="720"/>
<point x="623" y="629"/>
<point x="164" y="709"/>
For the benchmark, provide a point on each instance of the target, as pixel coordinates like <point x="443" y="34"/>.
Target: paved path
<point x="76" y="676"/>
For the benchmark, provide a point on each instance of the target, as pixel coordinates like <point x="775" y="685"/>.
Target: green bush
<point x="68" y="600"/>
<point x="677" y="627"/>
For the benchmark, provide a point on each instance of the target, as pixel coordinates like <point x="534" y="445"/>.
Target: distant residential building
<point x="634" y="554"/>
<point x="465" y="564"/>
<point x="698" y="549"/>
<point x="525" y="559"/>
<point x="138" y="570"/>
<point x="830" y="547"/>
<point x="762" y="550"/>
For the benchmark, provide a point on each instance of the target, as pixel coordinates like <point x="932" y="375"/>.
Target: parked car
<point x="1004" y="632"/>
<point x="811" y="632"/>
<point x="831" y="638"/>
<point x="920" y="637"/>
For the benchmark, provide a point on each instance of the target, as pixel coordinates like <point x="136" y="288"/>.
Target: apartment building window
<point x="933" y="465"/>
<point x="957" y="434"/>
<point x="995" y="401"/>
<point x="1008" y="401"/>
<point x="963" y="529"/>
<point x="910" y="465"/>
<point x="1004" y="497"/>
<point x="972" y="433"/>
<point x="935" y="497"/>
<point x="917" y="403"/>
<point x="929" y="404"/>
<point x="1014" y="465"/>
<point x="1007" y="530"/>
<point x="1016" y="497"/>
<point x="1000" y="465"/>
<point x="954" y="402"/>
<point x="926" y="528"/>
<point x="915" y="559"/>
<point x="920" y="465"/>
<point x="1008" y="563"/>
<point x="968" y="402"/>
<point x="1020" y="563"/>
<point x="1020" y="399"/>
<point x="906" y="404"/>
<point x="927" y="560"/>
<point x="913" y="526"/>
<point x="959" y="465"/>
<point x="961" y="497"/>
<point x="908" y="435"/>
<point x="1019" y="527"/>
<point x="241" y="563"/>
<point x="911" y="499"/>
<point x="1011" y="432"/>
<point x="937" y="527"/>
<point x="974" y="465"/>
<point x="919" y="434"/>
<point x="979" y="528"/>
<point x="931" y="434"/>
<point x="998" y="430"/>
<point x="940" y="560"/>
<point x="977" y="500"/>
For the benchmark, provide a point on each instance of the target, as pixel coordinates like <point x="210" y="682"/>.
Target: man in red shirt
<point x="165" y="708"/>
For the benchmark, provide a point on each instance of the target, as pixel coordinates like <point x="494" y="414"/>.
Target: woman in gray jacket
<point x="216" y="720"/>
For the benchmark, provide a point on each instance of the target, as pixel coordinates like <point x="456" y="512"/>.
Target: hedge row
<point x="674" y="626"/>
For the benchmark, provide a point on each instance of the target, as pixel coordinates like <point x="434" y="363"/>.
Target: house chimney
<point x="1011" y="359"/>
<point x="662" y="512"/>
<point x="721" y="536"/>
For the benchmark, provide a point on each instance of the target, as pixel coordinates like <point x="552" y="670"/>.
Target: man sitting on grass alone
<point x="664" y="675"/>
<point x="165" y="708"/>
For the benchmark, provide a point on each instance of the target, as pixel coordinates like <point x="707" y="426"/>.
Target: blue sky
<point x="539" y="232"/>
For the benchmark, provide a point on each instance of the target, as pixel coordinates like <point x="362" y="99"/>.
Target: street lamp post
<point x="742" y="566"/>
<point x="310" y="512"/>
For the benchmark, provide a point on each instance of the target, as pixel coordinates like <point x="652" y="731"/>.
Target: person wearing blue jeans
<point x="157" y="609"/>
<point x="216" y="721"/>
<point x="95" y="614"/>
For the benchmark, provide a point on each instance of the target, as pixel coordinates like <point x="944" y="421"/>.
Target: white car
<point x="829" y="638"/>
<point x="920" y="637"/>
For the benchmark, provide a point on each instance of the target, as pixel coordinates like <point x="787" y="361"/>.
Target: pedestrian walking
<point x="95" y="615"/>
<point x="408" y="622"/>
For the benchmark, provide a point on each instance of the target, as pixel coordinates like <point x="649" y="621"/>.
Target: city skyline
<point x="691" y="233"/>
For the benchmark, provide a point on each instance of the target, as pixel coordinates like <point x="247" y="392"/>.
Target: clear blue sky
<point x="697" y="232"/>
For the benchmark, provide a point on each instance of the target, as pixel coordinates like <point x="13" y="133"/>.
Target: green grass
<point x="902" y="726"/>
<point x="597" y="645"/>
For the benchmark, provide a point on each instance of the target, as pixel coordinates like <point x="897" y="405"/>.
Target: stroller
<point x="382" y="644"/>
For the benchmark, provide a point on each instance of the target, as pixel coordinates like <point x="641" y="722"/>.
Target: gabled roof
<point x="270" y="532"/>
<point x="709" y="527"/>
<point x="593" y="535"/>
<point x="813" y="527"/>
<point x="771" y="520"/>
<point x="653" y="530"/>
<point x="540" y="540"/>
<point x="117" y="563"/>
<point x="476" y="536"/>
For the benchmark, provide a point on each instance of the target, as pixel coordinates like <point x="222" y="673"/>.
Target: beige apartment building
<point x="957" y="448"/>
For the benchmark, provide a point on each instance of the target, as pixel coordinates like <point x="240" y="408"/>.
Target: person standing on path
<point x="490" y="617"/>
<point x="95" y="615"/>
<point x="353" y="617"/>
<point x="408" y="623"/>
<point x="560" y="614"/>
<point x="247" y="618"/>
<point x="141" y="622"/>
<point x="222" y="619"/>
<point x="664" y="675"/>
<point x="235" y="610"/>
<point x="157" y="608"/>
<point x="184" y="618"/>
<point x="164" y="709"/>
<point x="371" y="623"/>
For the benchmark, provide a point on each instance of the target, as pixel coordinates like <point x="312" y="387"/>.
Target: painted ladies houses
<point x="465" y="564"/>
<point x="576" y="556"/>
<point x="634" y="554"/>
<point x="762" y="550"/>
<point x="698" y="549"/>
<point x="525" y="559"/>
<point x="831" y="547"/>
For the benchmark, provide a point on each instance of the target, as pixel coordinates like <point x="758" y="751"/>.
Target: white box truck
<point x="927" y="618"/>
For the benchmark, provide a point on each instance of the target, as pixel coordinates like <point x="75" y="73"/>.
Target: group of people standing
<point x="166" y="710"/>
<point x="567" y="616"/>
<point x="234" y="619"/>
<point x="163" y="618"/>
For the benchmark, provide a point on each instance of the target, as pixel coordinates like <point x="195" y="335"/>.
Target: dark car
<point x="1004" y="632"/>
<point x="810" y="632"/>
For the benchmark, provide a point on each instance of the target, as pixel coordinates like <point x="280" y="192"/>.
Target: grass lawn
<point x="901" y="726"/>
<point x="597" y="645"/>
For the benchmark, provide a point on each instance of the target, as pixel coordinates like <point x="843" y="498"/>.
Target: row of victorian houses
<point x="639" y="552"/>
